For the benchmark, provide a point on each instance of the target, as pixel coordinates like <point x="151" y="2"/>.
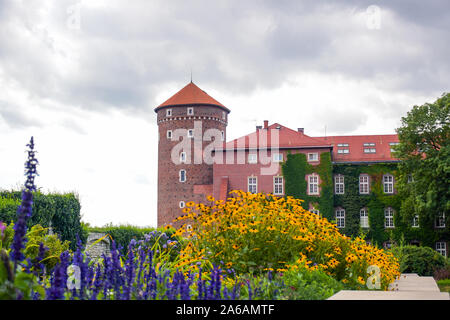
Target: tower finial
<point x="191" y="74"/>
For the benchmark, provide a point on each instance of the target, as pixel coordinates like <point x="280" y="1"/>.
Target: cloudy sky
<point x="83" y="78"/>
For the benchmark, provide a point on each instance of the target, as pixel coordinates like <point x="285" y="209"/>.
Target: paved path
<point x="409" y="287"/>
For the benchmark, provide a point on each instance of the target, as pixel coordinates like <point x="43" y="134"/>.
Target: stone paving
<point x="410" y="286"/>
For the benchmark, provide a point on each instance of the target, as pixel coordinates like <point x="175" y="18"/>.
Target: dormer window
<point x="313" y="157"/>
<point x="190" y="111"/>
<point x="372" y="148"/>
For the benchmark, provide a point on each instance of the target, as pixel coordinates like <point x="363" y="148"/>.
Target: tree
<point x="424" y="172"/>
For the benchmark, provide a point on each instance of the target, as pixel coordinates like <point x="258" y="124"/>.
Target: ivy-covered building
<point x="347" y="179"/>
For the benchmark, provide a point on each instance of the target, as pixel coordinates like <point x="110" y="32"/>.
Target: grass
<point x="444" y="285"/>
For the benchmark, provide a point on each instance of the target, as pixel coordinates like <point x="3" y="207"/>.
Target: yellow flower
<point x="253" y="230"/>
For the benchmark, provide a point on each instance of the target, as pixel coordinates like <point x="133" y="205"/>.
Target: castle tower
<point x="188" y="178"/>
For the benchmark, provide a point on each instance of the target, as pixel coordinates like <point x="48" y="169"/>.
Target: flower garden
<point x="252" y="246"/>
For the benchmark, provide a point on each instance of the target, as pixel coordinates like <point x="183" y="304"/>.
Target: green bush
<point x="62" y="211"/>
<point x="421" y="260"/>
<point x="303" y="284"/>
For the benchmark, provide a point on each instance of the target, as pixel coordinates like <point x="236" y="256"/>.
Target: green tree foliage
<point x="424" y="172"/>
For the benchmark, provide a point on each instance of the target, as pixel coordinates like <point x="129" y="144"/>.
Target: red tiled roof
<point x="191" y="94"/>
<point x="288" y="138"/>
<point x="356" y="148"/>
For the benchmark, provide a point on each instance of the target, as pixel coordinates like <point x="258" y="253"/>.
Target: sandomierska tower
<point x="179" y="183"/>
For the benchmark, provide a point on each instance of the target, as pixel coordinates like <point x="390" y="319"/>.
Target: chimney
<point x="266" y="124"/>
<point x="301" y="130"/>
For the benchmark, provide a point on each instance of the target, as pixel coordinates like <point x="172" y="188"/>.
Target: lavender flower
<point x="2" y="229"/>
<point x="25" y="209"/>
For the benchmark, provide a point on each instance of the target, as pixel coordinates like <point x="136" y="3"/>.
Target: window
<point x="190" y="133"/>
<point x="222" y="135"/>
<point x="252" y="158"/>
<point x="393" y="144"/>
<point x="410" y="178"/>
<point x="315" y="211"/>
<point x="389" y="218"/>
<point x="278" y="185"/>
<point x="441" y="247"/>
<point x="181" y="204"/>
<point x="224" y="116"/>
<point x="339" y="184"/>
<point x="440" y="220"/>
<point x="277" y="157"/>
<point x="364" y="184"/>
<point x="190" y="111"/>
<point x="182" y="175"/>
<point x="168" y="112"/>
<point x="313" y="157"/>
<point x="169" y="134"/>
<point x="364" y="218"/>
<point x="313" y="184"/>
<point x="183" y="157"/>
<point x="369" y="144"/>
<point x="370" y="150"/>
<point x="388" y="183"/>
<point x="252" y="185"/>
<point x="340" y="218"/>
<point x="342" y="148"/>
<point x="415" y="223"/>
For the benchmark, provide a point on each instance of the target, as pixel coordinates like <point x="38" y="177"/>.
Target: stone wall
<point x="102" y="247"/>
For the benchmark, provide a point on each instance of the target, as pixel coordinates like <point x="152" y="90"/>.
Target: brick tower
<point x="183" y="176"/>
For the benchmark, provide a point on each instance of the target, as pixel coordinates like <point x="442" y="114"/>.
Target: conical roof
<point x="191" y="94"/>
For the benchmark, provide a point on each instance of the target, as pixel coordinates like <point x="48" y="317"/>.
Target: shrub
<point x="304" y="284"/>
<point x="261" y="232"/>
<point x="62" y="211"/>
<point x="421" y="260"/>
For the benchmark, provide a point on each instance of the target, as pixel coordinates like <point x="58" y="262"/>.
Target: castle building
<point x="347" y="179"/>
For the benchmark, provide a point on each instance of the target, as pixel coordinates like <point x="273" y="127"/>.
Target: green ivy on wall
<point x="295" y="168"/>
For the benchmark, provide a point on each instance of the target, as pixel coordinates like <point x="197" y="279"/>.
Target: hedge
<point x="62" y="210"/>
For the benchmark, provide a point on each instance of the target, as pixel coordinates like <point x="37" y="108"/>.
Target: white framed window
<point x="340" y="218"/>
<point x="440" y="220"/>
<point x="168" y="112"/>
<point x="369" y="144"/>
<point x="182" y="204"/>
<point x="393" y="144"/>
<point x="169" y="134"/>
<point x="190" y="133"/>
<point x="183" y="157"/>
<point x="441" y="247"/>
<point x="315" y="211"/>
<point x="370" y="150"/>
<point x="343" y="151"/>
<point x="252" y="158"/>
<point x="388" y="184"/>
<point x="313" y="157"/>
<point x="222" y="133"/>
<point x="342" y="145"/>
<point x="252" y="184"/>
<point x="190" y="111"/>
<point x="278" y="185"/>
<point x="313" y="184"/>
<point x="389" y="217"/>
<point x="415" y="223"/>
<point x="182" y="175"/>
<point x="224" y="115"/>
<point x="339" y="185"/>
<point x="277" y="157"/>
<point x="364" y="218"/>
<point x="364" y="184"/>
